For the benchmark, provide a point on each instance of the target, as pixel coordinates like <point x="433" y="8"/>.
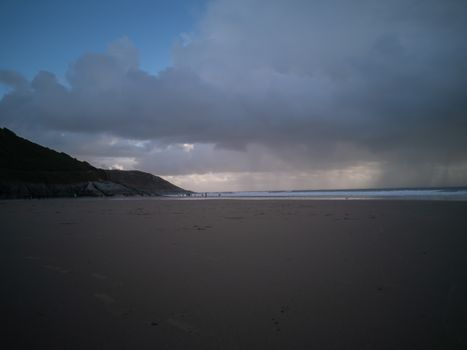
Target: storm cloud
<point x="326" y="93"/>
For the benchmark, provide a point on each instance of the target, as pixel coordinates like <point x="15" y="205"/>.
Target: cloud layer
<point x="303" y="88"/>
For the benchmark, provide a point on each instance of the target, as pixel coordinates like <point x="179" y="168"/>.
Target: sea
<point x="439" y="193"/>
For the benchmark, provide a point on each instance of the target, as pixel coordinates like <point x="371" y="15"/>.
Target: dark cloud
<point x="269" y="86"/>
<point x="13" y="79"/>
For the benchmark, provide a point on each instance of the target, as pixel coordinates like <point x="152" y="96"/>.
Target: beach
<point x="233" y="274"/>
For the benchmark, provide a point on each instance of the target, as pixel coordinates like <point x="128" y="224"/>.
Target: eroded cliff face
<point x="144" y="183"/>
<point x="28" y="170"/>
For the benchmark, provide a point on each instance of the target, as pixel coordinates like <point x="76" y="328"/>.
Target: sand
<point x="233" y="274"/>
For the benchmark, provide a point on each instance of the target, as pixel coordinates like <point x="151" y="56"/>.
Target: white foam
<point x="421" y="194"/>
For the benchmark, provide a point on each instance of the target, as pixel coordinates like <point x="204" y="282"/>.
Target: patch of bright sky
<point x="356" y="176"/>
<point x="51" y="34"/>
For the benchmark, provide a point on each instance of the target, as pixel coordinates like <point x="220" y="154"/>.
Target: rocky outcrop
<point x="28" y="170"/>
<point x="143" y="183"/>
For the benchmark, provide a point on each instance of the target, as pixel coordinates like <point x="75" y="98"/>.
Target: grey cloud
<point x="302" y="85"/>
<point x="13" y="79"/>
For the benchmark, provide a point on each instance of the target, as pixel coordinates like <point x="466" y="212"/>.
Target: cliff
<point x="28" y="170"/>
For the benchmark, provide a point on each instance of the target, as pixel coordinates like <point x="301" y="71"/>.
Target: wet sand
<point x="233" y="274"/>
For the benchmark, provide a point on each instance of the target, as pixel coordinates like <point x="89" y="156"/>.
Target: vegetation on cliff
<point x="30" y="170"/>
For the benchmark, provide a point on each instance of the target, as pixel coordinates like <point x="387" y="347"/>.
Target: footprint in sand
<point x="99" y="276"/>
<point x="200" y="228"/>
<point x="276" y="320"/>
<point x="105" y="298"/>
<point x="56" y="269"/>
<point x="182" y="325"/>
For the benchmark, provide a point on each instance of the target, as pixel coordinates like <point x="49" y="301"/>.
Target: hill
<point x="28" y="170"/>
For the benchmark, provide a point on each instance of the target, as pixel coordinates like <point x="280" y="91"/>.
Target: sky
<point x="226" y="95"/>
